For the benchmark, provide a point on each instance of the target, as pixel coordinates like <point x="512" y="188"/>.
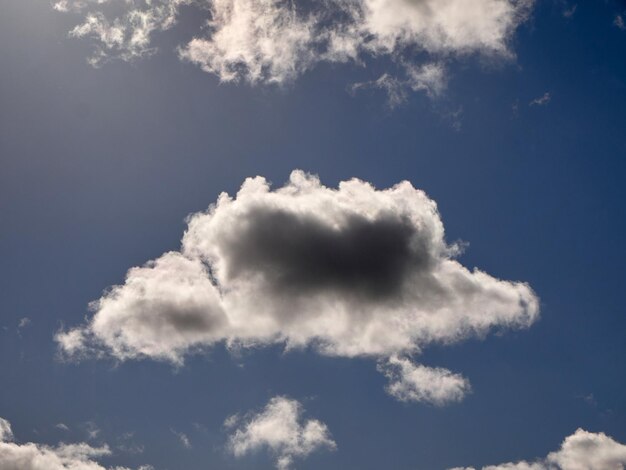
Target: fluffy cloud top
<point x="279" y="427"/>
<point x="31" y="456"/>
<point x="581" y="451"/>
<point x="275" y="41"/>
<point x="353" y="271"/>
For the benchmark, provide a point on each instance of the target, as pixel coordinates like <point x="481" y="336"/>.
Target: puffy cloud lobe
<point x="279" y="427"/>
<point x="275" y="41"/>
<point x="31" y="456"/>
<point x="409" y="382"/>
<point x="352" y="271"/>
<point x="581" y="451"/>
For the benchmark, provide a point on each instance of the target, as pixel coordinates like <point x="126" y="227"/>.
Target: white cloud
<point x="6" y="434"/>
<point x="279" y="428"/>
<point x="581" y="451"/>
<point x="410" y="382"/>
<point x="24" y="322"/>
<point x="619" y="22"/>
<point x="31" y="456"/>
<point x="352" y="271"/>
<point x="275" y="41"/>
<point x="542" y="100"/>
<point x="183" y="439"/>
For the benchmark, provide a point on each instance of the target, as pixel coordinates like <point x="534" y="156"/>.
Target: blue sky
<point x="521" y="148"/>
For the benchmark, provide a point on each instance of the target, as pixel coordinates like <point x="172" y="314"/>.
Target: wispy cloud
<point x="276" y="41"/>
<point x="34" y="456"/>
<point x="541" y="100"/>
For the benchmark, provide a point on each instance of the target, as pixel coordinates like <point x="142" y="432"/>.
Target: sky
<point x="309" y="234"/>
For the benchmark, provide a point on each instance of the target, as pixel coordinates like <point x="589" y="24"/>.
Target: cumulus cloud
<point x="353" y="271"/>
<point x="31" y="456"/>
<point x="410" y="382"/>
<point x="280" y="429"/>
<point x="581" y="451"/>
<point x="275" y="41"/>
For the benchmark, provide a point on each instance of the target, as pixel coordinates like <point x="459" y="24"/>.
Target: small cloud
<point x="542" y="100"/>
<point x="62" y="427"/>
<point x="127" y="444"/>
<point x="92" y="430"/>
<point x="619" y="22"/>
<point x="410" y="382"/>
<point x="231" y="421"/>
<point x="569" y="12"/>
<point x="24" y="322"/>
<point x="35" y="456"/>
<point x="590" y="399"/>
<point x="183" y="438"/>
<point x="280" y="429"/>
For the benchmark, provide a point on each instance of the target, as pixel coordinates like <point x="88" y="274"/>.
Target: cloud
<point x="429" y="78"/>
<point x="6" y="434"/>
<point x="279" y="428"/>
<point x="619" y="22"/>
<point x="569" y="12"/>
<point x="183" y="438"/>
<point x="24" y="322"/>
<point x="581" y="451"/>
<point x="276" y="41"/>
<point x="353" y="271"/>
<point x="409" y="382"/>
<point x="62" y="426"/>
<point x="31" y="456"/>
<point x="542" y="100"/>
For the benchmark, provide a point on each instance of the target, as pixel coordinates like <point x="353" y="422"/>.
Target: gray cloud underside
<point x="352" y="271"/>
<point x="580" y="451"/>
<point x="275" y="41"/>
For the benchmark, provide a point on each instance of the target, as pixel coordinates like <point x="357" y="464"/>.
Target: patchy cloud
<point x="410" y="382"/>
<point x="183" y="439"/>
<point x="353" y="271"/>
<point x="619" y="22"/>
<point x="542" y="100"/>
<point x="276" y="41"/>
<point x="568" y="12"/>
<point x="31" y="456"/>
<point x="280" y="429"/>
<point x="581" y="451"/>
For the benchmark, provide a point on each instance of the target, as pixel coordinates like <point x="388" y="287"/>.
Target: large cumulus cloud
<point x="353" y="271"/>
<point x="582" y="450"/>
<point x="275" y="41"/>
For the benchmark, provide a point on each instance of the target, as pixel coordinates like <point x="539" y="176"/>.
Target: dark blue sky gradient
<point x="99" y="167"/>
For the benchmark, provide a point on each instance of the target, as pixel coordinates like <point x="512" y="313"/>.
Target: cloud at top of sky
<point x="580" y="451"/>
<point x="32" y="456"/>
<point x="353" y="271"/>
<point x="275" y="41"/>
